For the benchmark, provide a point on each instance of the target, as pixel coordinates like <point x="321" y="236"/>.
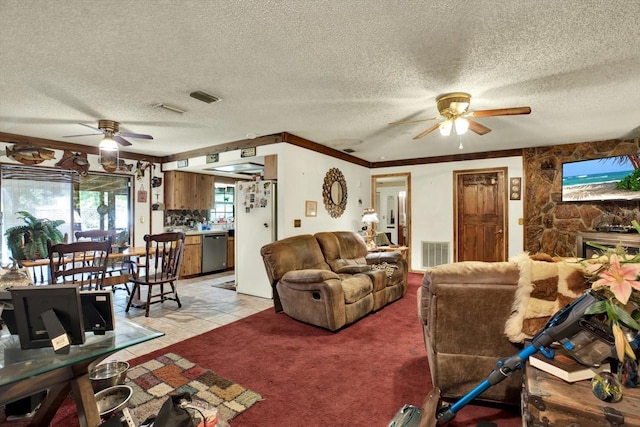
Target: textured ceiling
<point x="334" y="72"/>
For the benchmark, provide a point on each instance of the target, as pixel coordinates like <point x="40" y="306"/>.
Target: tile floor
<point x="204" y="307"/>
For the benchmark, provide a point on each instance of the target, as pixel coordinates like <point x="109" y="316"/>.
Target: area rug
<point x="231" y="285"/>
<point x="153" y="380"/>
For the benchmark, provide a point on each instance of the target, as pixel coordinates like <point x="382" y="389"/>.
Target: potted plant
<point x="29" y="241"/>
<point x="122" y="240"/>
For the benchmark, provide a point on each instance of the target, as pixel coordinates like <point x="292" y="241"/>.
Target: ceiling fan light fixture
<point x="108" y="144"/>
<point x="462" y="125"/>
<point x="445" y="127"/>
<point x="109" y="153"/>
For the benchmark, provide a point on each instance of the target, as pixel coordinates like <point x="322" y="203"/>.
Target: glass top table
<point x="26" y="372"/>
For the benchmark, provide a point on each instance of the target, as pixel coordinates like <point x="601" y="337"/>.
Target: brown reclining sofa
<point x="330" y="280"/>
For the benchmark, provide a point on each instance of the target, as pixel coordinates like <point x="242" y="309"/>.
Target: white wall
<point x="432" y="203"/>
<point x="301" y="175"/>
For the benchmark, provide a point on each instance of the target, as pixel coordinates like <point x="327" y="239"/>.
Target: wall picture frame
<point x="310" y="208"/>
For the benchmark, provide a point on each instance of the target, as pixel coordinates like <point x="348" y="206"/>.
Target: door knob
<point x="499" y="231"/>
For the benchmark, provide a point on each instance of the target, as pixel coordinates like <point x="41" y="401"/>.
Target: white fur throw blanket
<point x="544" y="288"/>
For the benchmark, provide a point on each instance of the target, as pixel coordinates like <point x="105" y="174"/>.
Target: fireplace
<point x="629" y="241"/>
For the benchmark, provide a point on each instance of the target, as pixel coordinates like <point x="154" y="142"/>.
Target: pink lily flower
<point x="621" y="279"/>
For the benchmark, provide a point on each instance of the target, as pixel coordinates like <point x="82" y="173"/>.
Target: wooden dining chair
<point x="80" y="263"/>
<point x="117" y="271"/>
<point x="159" y="268"/>
<point x="96" y="235"/>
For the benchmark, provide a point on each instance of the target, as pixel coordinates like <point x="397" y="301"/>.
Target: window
<point x="102" y="202"/>
<point x="97" y="201"/>
<point x="223" y="204"/>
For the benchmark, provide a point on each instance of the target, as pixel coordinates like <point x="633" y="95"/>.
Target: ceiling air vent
<point x="204" y="97"/>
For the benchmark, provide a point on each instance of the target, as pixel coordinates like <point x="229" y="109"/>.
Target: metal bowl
<point x="108" y="374"/>
<point x="112" y="399"/>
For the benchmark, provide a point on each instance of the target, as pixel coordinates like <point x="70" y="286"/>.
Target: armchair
<point x="306" y="288"/>
<point x="463" y="308"/>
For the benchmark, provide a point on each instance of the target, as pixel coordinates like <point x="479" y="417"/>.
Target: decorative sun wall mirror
<point x="334" y="192"/>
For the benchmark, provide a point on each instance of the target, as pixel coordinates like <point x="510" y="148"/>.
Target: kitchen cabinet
<point x="191" y="256"/>
<point x="230" y="252"/>
<point x="271" y="167"/>
<point x="186" y="190"/>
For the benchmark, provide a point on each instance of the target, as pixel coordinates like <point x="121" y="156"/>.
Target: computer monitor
<point x="48" y="316"/>
<point x="97" y="311"/>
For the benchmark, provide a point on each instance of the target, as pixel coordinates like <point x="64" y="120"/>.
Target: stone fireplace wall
<point x="550" y="224"/>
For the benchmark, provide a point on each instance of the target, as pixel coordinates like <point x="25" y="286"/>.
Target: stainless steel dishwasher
<point x="214" y="252"/>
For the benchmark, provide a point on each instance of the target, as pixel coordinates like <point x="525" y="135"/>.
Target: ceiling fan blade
<point x="120" y="140"/>
<point x="92" y="127"/>
<point x="477" y="127"/>
<point x="404" y="122"/>
<point x="135" y="135"/>
<point x="500" y="112"/>
<point x="86" y="134"/>
<point x="427" y="132"/>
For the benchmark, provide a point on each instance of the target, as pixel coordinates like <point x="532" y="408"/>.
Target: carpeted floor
<point x="357" y="377"/>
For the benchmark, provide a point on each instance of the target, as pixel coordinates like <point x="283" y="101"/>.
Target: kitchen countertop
<point x="199" y="232"/>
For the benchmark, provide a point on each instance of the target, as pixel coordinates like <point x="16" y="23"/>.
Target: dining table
<point x="39" y="268"/>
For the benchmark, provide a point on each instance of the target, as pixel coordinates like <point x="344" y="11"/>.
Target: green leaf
<point x="597" y="307"/>
<point x="610" y="311"/>
<point x="626" y="318"/>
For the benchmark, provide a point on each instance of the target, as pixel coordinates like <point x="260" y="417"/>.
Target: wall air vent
<point x="435" y="253"/>
<point x="204" y="97"/>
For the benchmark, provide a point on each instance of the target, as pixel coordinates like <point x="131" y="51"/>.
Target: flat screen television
<point x="595" y="180"/>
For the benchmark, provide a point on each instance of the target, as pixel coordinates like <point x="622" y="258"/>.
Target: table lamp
<point x="369" y="217"/>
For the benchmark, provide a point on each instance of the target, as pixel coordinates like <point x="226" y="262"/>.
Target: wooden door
<point x="480" y="215"/>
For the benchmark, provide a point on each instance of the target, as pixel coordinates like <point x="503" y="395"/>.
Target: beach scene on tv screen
<point x="596" y="180"/>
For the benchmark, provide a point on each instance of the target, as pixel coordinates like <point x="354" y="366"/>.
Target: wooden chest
<point x="550" y="401"/>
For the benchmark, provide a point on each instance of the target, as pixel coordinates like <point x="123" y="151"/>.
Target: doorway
<point x="480" y="216"/>
<point x="391" y="198"/>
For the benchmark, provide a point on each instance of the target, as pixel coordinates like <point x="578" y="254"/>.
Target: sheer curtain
<point x="43" y="193"/>
<point x="97" y="201"/>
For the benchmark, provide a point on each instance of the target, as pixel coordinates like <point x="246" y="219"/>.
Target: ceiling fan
<point x="454" y="113"/>
<point x="111" y="130"/>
